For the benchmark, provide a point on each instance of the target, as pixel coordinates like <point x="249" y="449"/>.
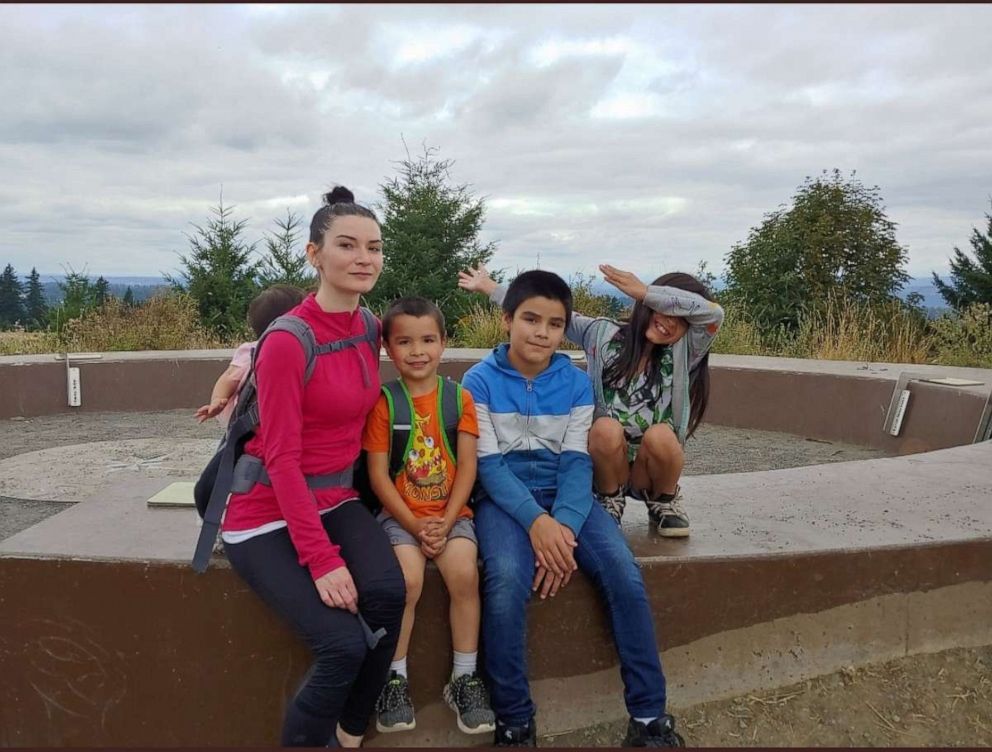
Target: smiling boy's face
<point x="536" y="329"/>
<point x="415" y="345"/>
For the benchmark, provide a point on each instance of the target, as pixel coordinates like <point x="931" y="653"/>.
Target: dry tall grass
<point x="842" y="330"/>
<point x="27" y="343"/>
<point x="164" y="322"/>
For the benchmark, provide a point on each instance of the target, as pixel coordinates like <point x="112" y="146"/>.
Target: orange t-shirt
<point x="428" y="474"/>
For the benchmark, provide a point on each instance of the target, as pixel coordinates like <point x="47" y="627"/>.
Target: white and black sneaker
<point x="614" y="505"/>
<point x="667" y="513"/>
<point x="468" y="697"/>
<point x="394" y="708"/>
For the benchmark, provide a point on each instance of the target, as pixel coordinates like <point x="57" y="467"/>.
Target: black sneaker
<point x="394" y="708"/>
<point x="669" y="516"/>
<point x="467" y="696"/>
<point x="515" y="736"/>
<point x="659" y="733"/>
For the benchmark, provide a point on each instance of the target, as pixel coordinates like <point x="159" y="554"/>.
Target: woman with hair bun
<point x="301" y="538"/>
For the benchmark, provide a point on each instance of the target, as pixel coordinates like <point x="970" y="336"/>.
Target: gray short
<point x="398" y="536"/>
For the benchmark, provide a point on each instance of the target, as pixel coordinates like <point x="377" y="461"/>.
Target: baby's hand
<point x="215" y="408"/>
<point x="477" y="280"/>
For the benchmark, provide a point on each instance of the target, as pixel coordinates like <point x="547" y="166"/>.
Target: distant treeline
<point x="139" y="292"/>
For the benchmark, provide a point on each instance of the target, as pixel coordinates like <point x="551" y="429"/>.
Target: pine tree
<point x="430" y="231"/>
<point x="971" y="280"/>
<point x="35" y="307"/>
<point x="286" y="263"/>
<point x="219" y="273"/>
<point x="129" y="297"/>
<point x="11" y="298"/>
<point x="78" y="297"/>
<point x="101" y="291"/>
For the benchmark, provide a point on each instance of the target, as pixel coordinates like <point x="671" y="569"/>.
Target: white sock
<point x="464" y="664"/>
<point x="399" y="666"/>
<point x="646" y="721"/>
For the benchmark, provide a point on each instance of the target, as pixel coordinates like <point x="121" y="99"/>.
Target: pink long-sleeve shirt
<point x="311" y="430"/>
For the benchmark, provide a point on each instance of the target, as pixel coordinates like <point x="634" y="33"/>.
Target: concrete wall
<point x="116" y="653"/>
<point x="818" y="399"/>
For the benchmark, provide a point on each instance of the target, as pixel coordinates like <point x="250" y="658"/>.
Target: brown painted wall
<point x="133" y="654"/>
<point x="842" y="408"/>
<point x="822" y="406"/>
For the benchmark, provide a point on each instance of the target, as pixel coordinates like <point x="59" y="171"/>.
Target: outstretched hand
<point x="625" y="282"/>
<point x="477" y="280"/>
<point x="212" y="410"/>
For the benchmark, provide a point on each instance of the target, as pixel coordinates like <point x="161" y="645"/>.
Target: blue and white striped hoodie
<point x="533" y="435"/>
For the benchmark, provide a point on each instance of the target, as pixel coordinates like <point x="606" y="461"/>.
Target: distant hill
<point x="141" y="287"/>
<point x="932" y="301"/>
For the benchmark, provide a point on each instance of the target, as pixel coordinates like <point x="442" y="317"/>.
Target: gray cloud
<point x="121" y="123"/>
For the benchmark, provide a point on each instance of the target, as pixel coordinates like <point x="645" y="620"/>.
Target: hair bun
<point x="340" y="195"/>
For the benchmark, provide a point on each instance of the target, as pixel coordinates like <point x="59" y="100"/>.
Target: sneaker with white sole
<point x="468" y="697"/>
<point x="394" y="708"/>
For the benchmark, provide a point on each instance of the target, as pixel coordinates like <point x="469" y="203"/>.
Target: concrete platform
<point x="107" y="637"/>
<point x="788" y="574"/>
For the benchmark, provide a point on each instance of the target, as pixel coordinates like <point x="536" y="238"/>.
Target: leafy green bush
<point x="964" y="339"/>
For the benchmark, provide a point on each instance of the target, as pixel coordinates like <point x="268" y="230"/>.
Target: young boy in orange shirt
<point x="425" y="512"/>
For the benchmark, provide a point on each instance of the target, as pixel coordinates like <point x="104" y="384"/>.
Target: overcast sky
<point x="649" y="137"/>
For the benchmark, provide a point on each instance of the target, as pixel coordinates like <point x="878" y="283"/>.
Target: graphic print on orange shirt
<point x="425" y="466"/>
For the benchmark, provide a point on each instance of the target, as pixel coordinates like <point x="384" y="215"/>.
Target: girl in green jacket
<point x="651" y="379"/>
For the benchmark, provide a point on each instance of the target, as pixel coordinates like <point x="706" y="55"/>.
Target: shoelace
<point x="393" y="696"/>
<point x="469" y="692"/>
<point x="614" y="505"/>
<point x="673" y="508"/>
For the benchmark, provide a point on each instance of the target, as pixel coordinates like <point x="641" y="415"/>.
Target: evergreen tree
<point x="835" y="239"/>
<point x="11" y="298"/>
<point x="101" y="291"/>
<point x="971" y="279"/>
<point x="219" y="272"/>
<point x="430" y="231"/>
<point x="35" y="307"/>
<point x="129" y="297"/>
<point x="78" y="297"/>
<point x="286" y="263"/>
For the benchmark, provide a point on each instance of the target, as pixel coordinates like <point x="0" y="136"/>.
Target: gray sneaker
<point x="614" y="505"/>
<point x="394" y="708"/>
<point x="467" y="696"/>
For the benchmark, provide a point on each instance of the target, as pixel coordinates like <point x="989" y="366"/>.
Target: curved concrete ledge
<point x="108" y="638"/>
<point x="829" y="400"/>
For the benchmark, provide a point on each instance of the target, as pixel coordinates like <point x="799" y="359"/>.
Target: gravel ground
<point x="937" y="700"/>
<point x="714" y="449"/>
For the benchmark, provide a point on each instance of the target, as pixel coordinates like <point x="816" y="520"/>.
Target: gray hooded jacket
<point x="592" y="335"/>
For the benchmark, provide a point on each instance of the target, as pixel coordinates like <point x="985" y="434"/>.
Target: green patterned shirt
<point x="638" y="405"/>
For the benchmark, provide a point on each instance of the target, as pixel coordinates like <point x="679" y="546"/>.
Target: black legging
<point x="346" y="678"/>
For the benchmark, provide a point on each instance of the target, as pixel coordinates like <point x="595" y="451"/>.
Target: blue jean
<point x="508" y="573"/>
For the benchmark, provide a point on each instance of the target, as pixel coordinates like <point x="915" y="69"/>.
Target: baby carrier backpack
<point x="230" y="470"/>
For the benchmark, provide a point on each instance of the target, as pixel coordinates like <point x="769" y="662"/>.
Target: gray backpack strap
<point x="371" y="329"/>
<point x="400" y="424"/>
<point x="304" y="335"/>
